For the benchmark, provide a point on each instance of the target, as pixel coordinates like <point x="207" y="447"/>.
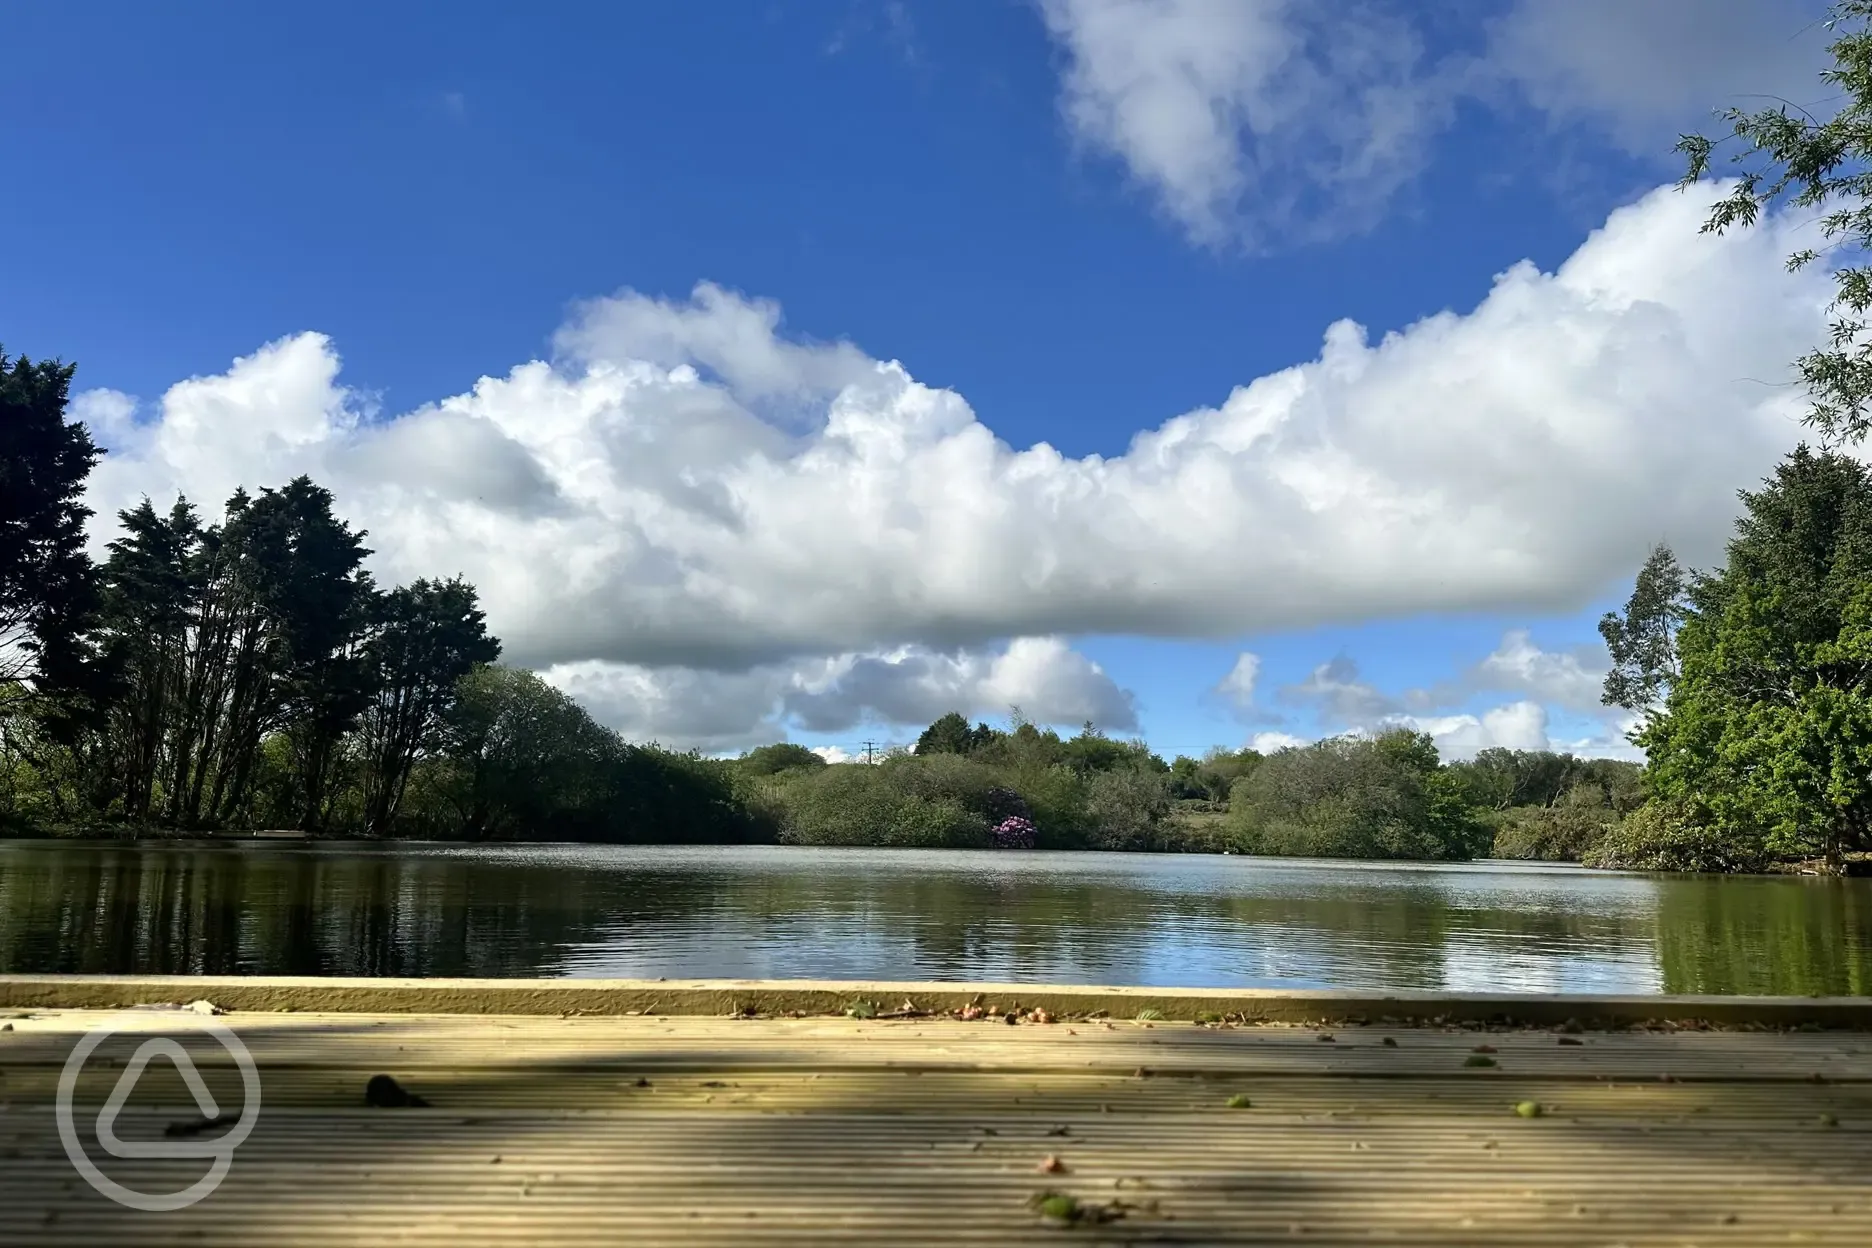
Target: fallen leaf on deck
<point x="196" y="1126"/>
<point x="1056" y="1206"/>
<point x="384" y="1092"/>
<point x="1066" y="1210"/>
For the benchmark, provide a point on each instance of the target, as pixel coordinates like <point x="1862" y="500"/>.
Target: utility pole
<point x="870" y="751"/>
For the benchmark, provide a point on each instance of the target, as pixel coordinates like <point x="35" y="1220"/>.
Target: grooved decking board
<point x="835" y="1131"/>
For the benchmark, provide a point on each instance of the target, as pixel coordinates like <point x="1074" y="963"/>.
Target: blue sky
<point x="1079" y="218"/>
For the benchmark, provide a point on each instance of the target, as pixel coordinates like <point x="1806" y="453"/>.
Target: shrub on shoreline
<point x="1350" y="797"/>
<point x="1660" y="837"/>
<point x="1564" y="832"/>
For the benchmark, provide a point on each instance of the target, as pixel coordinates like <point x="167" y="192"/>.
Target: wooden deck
<point x="817" y="1131"/>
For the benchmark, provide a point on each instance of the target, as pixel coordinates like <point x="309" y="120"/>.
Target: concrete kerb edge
<point x="769" y="998"/>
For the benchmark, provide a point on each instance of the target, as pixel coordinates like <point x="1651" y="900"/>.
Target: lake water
<point x="771" y="912"/>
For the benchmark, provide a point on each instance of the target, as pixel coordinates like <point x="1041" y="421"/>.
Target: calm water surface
<point x="766" y="912"/>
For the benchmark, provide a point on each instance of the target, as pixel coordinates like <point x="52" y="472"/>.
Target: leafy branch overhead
<point x="1818" y="159"/>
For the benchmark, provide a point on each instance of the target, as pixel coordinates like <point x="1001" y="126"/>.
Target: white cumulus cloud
<point x="714" y="710"/>
<point x="1346" y="703"/>
<point x="1517" y="726"/>
<point x="688" y="510"/>
<point x="1564" y="679"/>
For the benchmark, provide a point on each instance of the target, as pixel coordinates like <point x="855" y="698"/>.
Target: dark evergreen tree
<point x="143" y="625"/>
<point x="948" y="735"/>
<point x="216" y="638"/>
<point x="47" y="583"/>
<point x="425" y="638"/>
<point x="317" y="602"/>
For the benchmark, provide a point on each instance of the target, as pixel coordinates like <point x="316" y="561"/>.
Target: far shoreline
<point x="1858" y="867"/>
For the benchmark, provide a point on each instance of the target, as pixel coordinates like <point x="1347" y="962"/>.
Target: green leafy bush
<point x="1563" y="832"/>
<point x="1660" y="837"/>
<point x="944" y="799"/>
<point x="857" y="804"/>
<point x="1126" y="807"/>
<point x="944" y="777"/>
<point x="1349" y="797"/>
<point x="1056" y="795"/>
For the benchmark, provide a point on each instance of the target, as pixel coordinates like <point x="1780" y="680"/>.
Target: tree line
<point x="243" y="670"/>
<point x="1382" y="796"/>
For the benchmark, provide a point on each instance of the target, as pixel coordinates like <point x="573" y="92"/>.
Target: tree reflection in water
<point x="403" y="910"/>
